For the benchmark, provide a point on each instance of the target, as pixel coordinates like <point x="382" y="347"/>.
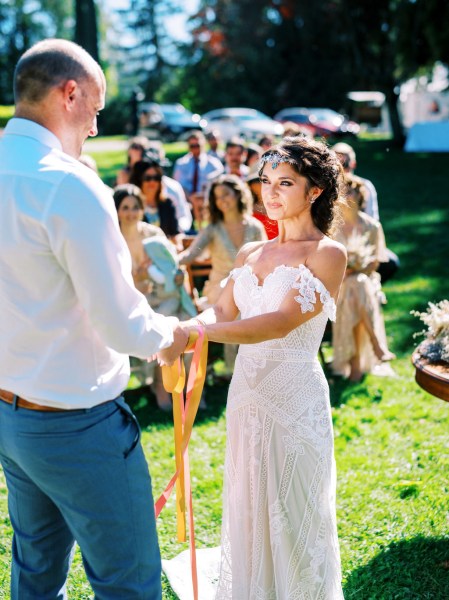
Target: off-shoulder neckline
<point x="300" y="267"/>
<point x="303" y="286"/>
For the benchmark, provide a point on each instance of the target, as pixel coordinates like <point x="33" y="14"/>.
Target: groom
<point x="69" y="316"/>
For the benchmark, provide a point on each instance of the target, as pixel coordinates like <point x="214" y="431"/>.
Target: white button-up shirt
<point x="69" y="312"/>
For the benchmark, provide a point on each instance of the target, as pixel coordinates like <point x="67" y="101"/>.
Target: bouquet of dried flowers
<point x="435" y="346"/>
<point x="360" y="253"/>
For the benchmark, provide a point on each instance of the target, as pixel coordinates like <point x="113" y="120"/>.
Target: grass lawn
<point x="391" y="438"/>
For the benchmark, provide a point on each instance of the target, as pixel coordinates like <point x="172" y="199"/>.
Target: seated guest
<point x="140" y="148"/>
<point x="235" y="156"/>
<point x="231" y="226"/>
<point x="213" y="140"/>
<point x="136" y="149"/>
<point x="253" y="154"/>
<point x="266" y="142"/>
<point x="259" y="212"/>
<point x="159" y="208"/>
<point x="347" y="157"/>
<point x="292" y="129"/>
<point x="174" y="189"/>
<point x="194" y="171"/>
<point x="155" y="273"/>
<point x="358" y="336"/>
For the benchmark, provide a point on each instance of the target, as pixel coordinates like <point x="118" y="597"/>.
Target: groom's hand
<point x="180" y="339"/>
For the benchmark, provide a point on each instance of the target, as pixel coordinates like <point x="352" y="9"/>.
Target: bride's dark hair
<point x="321" y="167"/>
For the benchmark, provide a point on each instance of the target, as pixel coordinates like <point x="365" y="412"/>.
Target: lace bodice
<point x="255" y="299"/>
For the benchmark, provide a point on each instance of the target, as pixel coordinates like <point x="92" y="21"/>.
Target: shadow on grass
<point x="341" y="390"/>
<point x="415" y="569"/>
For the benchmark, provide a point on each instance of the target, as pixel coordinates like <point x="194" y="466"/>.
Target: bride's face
<point x="285" y="193"/>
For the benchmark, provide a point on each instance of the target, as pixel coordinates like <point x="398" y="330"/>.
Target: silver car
<point x="247" y="123"/>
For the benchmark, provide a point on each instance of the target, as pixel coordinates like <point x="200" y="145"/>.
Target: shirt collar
<point x="27" y="128"/>
<point x="202" y="159"/>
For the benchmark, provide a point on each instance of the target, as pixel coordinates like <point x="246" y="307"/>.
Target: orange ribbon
<point x="174" y="378"/>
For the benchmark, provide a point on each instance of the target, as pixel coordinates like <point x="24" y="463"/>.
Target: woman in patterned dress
<point x="231" y="226"/>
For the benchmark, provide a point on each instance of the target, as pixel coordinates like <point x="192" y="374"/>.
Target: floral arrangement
<point x="435" y="346"/>
<point x="360" y="253"/>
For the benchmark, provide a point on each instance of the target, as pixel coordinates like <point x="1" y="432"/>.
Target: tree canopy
<point x="267" y="54"/>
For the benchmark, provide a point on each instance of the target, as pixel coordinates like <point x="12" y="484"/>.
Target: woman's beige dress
<point x="359" y="291"/>
<point x="222" y="252"/>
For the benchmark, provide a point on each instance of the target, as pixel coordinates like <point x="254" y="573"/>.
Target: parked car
<point x="167" y="122"/>
<point x="300" y="116"/>
<point x="336" y="123"/>
<point x="247" y="123"/>
<point x="319" y="121"/>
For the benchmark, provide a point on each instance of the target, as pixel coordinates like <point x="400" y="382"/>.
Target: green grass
<point x="391" y="438"/>
<point x="110" y="162"/>
<point x="6" y="112"/>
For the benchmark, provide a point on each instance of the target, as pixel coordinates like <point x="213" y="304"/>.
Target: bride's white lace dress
<point x="279" y="536"/>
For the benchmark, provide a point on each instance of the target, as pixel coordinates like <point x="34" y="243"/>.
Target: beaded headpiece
<point x="275" y="159"/>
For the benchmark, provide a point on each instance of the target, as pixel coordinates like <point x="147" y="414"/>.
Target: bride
<point x="279" y="535"/>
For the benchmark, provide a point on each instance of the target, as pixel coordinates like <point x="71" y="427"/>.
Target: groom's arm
<point x="180" y="339"/>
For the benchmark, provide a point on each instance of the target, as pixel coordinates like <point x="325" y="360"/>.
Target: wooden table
<point x="433" y="378"/>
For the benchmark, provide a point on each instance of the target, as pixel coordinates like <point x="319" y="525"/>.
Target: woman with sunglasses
<point x="159" y="208"/>
<point x="141" y="148"/>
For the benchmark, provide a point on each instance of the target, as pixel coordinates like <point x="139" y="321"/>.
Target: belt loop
<point x="14" y="402"/>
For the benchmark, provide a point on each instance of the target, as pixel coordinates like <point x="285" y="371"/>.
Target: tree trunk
<point x="391" y="99"/>
<point x="86" y="31"/>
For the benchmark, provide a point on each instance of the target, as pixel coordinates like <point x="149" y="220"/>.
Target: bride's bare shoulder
<point x="328" y="263"/>
<point x="246" y="250"/>
<point x="331" y="249"/>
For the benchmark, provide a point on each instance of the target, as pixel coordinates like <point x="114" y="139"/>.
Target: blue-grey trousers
<point x="79" y="475"/>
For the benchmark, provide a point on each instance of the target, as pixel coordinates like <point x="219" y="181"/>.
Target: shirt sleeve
<point x="84" y="235"/>
<point x="177" y="194"/>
